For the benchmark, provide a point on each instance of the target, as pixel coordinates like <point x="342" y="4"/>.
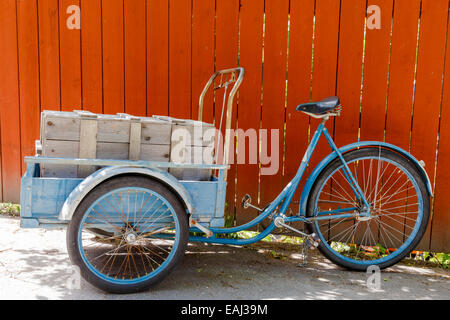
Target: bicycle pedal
<point x="312" y="241"/>
<point x="246" y="201"/>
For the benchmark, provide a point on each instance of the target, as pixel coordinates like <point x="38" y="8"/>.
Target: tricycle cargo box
<point x="82" y="134"/>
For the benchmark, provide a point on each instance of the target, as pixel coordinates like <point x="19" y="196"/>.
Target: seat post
<point x="325" y="119"/>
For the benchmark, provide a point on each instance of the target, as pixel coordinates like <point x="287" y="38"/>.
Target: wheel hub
<point x="365" y="215"/>
<point x="130" y="237"/>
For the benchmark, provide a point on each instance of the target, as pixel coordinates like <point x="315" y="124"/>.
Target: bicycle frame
<point x="285" y="197"/>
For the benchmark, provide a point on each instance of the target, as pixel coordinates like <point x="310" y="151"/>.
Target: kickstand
<point x="305" y="248"/>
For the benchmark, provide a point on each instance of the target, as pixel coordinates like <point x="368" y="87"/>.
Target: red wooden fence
<point x="149" y="57"/>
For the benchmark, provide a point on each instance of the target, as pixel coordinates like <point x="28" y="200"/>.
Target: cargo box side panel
<point x="204" y="194"/>
<point x="48" y="196"/>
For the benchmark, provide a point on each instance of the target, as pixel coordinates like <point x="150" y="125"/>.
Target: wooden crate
<point x="190" y="142"/>
<point x="82" y="134"/>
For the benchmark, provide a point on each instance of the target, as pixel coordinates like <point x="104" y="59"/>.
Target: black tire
<point x="352" y="156"/>
<point x="102" y="189"/>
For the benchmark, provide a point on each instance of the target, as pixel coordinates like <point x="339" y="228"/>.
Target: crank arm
<point x="279" y="222"/>
<point x="312" y="240"/>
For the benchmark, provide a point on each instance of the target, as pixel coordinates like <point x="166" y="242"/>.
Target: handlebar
<point x="237" y="82"/>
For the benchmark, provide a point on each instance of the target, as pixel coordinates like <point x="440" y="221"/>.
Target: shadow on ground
<point x="34" y="265"/>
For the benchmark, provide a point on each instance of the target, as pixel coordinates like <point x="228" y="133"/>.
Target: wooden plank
<point x="135" y="57"/>
<point x="325" y="55"/>
<point x="10" y="103"/>
<point x="110" y="129"/>
<point x="193" y="133"/>
<point x="376" y="68"/>
<point x="105" y="150"/>
<point x="28" y="60"/>
<point x="249" y="113"/>
<point x="157" y="57"/>
<point x="299" y="88"/>
<point x="203" y="14"/>
<point x="227" y="40"/>
<point x="113" y="56"/>
<point x="326" y="36"/>
<point x="273" y="102"/>
<point x="401" y="81"/>
<point x="440" y="221"/>
<point x="49" y="68"/>
<point x="180" y="58"/>
<point x="91" y="55"/>
<point x="181" y="153"/>
<point x="351" y="40"/>
<point x="70" y="56"/>
<point x="348" y="89"/>
<point x="135" y="141"/>
<point x="88" y="145"/>
<point x="427" y="99"/>
<point x="401" y="76"/>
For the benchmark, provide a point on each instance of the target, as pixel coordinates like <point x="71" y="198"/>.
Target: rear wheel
<point x="399" y="209"/>
<point x="127" y="234"/>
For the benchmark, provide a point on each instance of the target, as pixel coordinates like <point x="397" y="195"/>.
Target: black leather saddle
<point x="321" y="107"/>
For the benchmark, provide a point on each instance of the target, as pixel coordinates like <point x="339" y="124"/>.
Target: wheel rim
<point x="395" y="216"/>
<point x="128" y="235"/>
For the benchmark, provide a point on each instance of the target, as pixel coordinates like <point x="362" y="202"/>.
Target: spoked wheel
<point x="399" y="209"/>
<point x="127" y="234"/>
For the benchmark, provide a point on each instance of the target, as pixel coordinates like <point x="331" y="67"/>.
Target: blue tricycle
<point x="129" y="222"/>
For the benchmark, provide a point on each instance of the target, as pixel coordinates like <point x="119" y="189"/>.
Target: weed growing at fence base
<point x="10" y="209"/>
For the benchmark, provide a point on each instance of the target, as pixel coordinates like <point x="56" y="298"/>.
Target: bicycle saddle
<point x="321" y="107"/>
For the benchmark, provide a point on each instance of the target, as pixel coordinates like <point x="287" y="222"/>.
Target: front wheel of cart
<point x="127" y="234"/>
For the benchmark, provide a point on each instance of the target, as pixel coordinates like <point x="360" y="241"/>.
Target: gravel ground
<point x="34" y="265"/>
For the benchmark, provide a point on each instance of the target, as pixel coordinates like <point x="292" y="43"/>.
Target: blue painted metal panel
<point x="49" y="195"/>
<point x="42" y="199"/>
<point x="203" y="195"/>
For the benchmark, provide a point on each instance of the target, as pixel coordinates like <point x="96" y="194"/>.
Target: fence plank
<point x="376" y="68"/>
<point x="113" y="56"/>
<point x="91" y="55"/>
<point x="180" y="58"/>
<point x="135" y="57"/>
<point x="301" y="27"/>
<point x="440" y="237"/>
<point x="249" y="113"/>
<point x="70" y="58"/>
<point x="274" y="90"/>
<point x="401" y="77"/>
<point x="28" y="59"/>
<point x="326" y="36"/>
<point x="401" y="83"/>
<point x="227" y="40"/>
<point x="299" y="87"/>
<point x="9" y="102"/>
<point x="49" y="54"/>
<point x="351" y="40"/>
<point x="427" y="98"/>
<point x="203" y="13"/>
<point x="157" y="57"/>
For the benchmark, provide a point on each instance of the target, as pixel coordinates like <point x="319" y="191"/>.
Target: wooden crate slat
<point x="61" y="126"/>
